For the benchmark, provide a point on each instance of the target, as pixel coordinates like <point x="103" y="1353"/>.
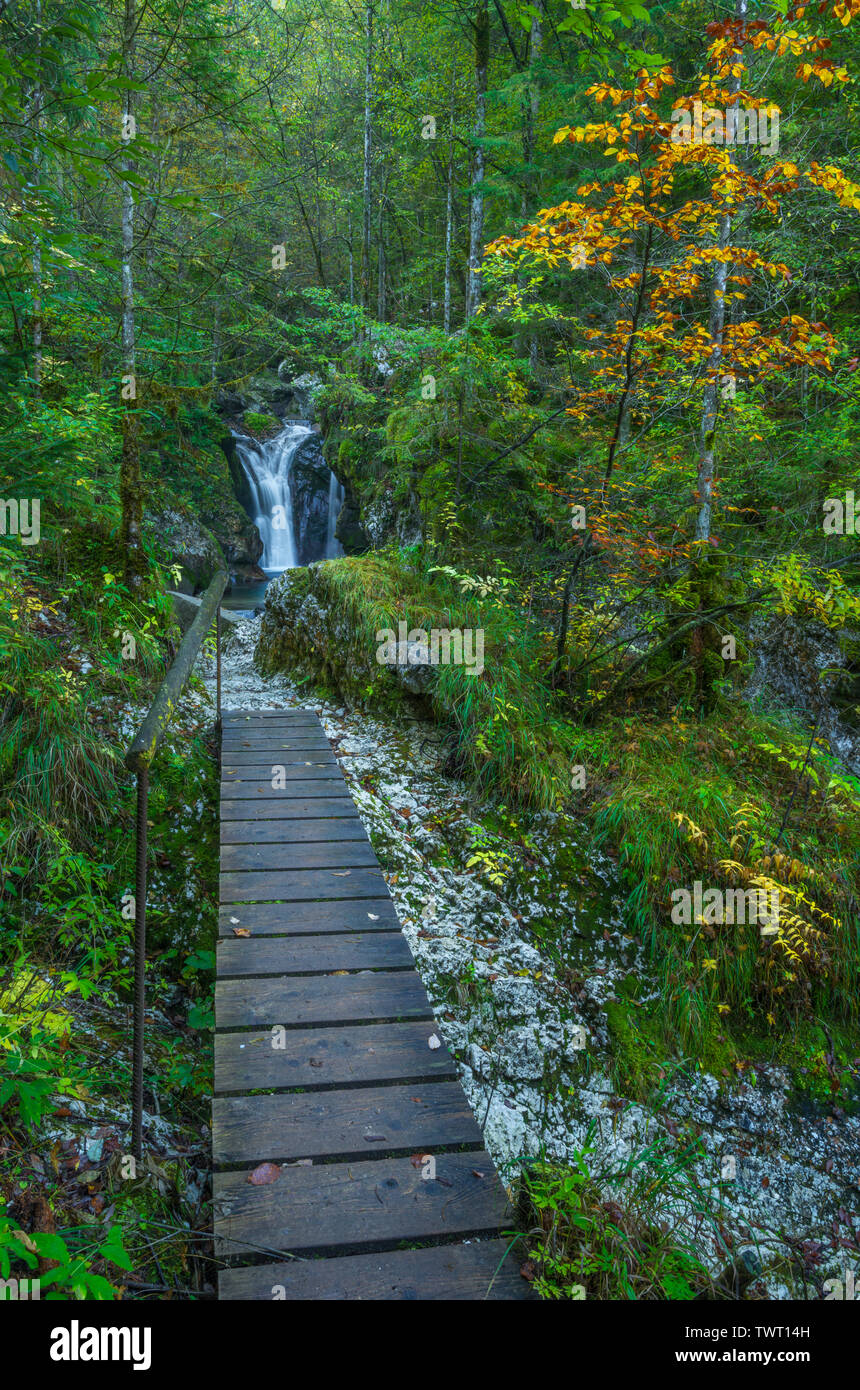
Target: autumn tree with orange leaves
<point x="677" y="266"/>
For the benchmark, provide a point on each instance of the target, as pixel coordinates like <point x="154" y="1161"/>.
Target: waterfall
<point x="281" y="509"/>
<point x="333" y="547"/>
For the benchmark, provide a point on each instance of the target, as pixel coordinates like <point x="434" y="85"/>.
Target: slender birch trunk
<point x="716" y="327"/>
<point x="476" y="215"/>
<point x="37" y="101"/>
<point x="130" y="481"/>
<point x="368" y="151"/>
<point x="449" y="212"/>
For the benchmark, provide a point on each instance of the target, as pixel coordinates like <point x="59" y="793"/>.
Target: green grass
<point x="508" y="736"/>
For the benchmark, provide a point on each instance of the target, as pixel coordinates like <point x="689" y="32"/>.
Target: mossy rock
<point x="259" y="423"/>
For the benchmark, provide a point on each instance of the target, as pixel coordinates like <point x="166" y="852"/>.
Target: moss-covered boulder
<point x="320" y="623"/>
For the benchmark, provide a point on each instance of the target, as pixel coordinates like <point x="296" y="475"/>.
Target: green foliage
<point x="600" y="1232"/>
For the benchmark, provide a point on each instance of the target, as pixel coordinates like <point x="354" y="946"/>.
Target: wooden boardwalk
<point x="327" y="1059"/>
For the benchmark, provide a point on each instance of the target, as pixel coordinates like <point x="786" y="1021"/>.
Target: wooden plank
<point x="308" y="855"/>
<point x="291" y="832"/>
<point x="342" y="1205"/>
<point x="254" y="742"/>
<point x="291" y="807"/>
<point x="258" y="757"/>
<point x="298" y="919"/>
<point x="281" y="724"/>
<point x="289" y="1000"/>
<point x="294" y="885"/>
<point x="235" y="716"/>
<point x="306" y="788"/>
<point x="480" y="1270"/>
<point x="274" y="771"/>
<point x="305" y="955"/>
<point x="358" y="1123"/>
<point x="286" y="712"/>
<point x="318" y="1057"/>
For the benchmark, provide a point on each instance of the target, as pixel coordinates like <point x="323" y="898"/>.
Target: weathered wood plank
<point x="480" y="1270"/>
<point x="305" y="955"/>
<point x="263" y="742"/>
<point x="342" y="1205"/>
<point x="231" y="716"/>
<point x="297" y="919"/>
<point x="292" y="807"/>
<point x="317" y="1057"/>
<point x="291" y="832"/>
<point x="283" y="724"/>
<point x="294" y="885"/>
<point x="360" y="1122"/>
<point x="294" y="999"/>
<point x="268" y="757"/>
<point x="267" y="773"/>
<point x="308" y="855"/>
<point x="306" y="787"/>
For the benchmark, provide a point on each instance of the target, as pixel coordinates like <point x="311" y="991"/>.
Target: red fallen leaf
<point x="528" y="1270"/>
<point x="241" y="931"/>
<point x="264" y="1173"/>
<point x="405" y="812"/>
<point x="477" y="1174"/>
<point x="607" y="936"/>
<point x="62" y="1113"/>
<point x="418" y="1160"/>
<point x="97" y="1203"/>
<point x="765" y="1182"/>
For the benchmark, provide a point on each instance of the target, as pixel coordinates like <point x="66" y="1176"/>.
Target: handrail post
<point x="218" y="662"/>
<point x="139" y="966"/>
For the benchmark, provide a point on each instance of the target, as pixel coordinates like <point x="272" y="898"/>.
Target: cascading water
<point x="333" y="547"/>
<point x="289" y="517"/>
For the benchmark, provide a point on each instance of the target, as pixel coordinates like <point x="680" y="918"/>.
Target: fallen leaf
<point x="528" y="1270"/>
<point x="341" y="873"/>
<point x="264" y="1173"/>
<point x="433" y="1042"/>
<point x="241" y="931"/>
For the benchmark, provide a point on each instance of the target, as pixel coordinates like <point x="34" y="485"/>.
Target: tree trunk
<point x="531" y="112"/>
<point x="129" y="481"/>
<point x="382" y="264"/>
<point x="368" y="150"/>
<point x="716" y="326"/>
<point x="476" y="216"/>
<point x="38" y="97"/>
<point x="449" y="213"/>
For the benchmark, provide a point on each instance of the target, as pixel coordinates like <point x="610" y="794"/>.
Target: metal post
<point x="139" y="967"/>
<point x="218" y="660"/>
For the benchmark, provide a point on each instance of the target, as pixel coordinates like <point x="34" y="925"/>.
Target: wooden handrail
<point x="139" y="759"/>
